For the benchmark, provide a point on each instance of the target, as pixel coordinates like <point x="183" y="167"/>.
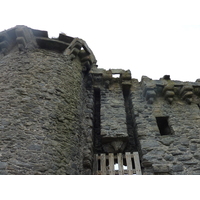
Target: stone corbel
<point x="73" y="49"/>
<point x="25" y="38"/>
<point x="186" y="93"/>
<point x="126" y="75"/>
<point x="150" y="95"/>
<point x="107" y="76"/>
<point x="168" y="92"/>
<point x="79" y="48"/>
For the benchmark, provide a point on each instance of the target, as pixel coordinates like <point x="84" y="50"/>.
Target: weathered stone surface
<point x="167" y="140"/>
<point x="40" y="120"/>
<point x="177" y="168"/>
<point x="150" y="144"/>
<point x="3" y="165"/>
<point x="160" y="168"/>
<point x="57" y="109"/>
<point x="197" y="155"/>
<point x="184" y="158"/>
<point x="168" y="157"/>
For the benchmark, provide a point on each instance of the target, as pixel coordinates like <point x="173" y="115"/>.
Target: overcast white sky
<point x="151" y="38"/>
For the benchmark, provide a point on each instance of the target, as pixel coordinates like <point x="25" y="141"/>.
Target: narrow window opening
<point x="198" y="105"/>
<point x="163" y="125"/>
<point x="97" y="120"/>
<point x="116" y="75"/>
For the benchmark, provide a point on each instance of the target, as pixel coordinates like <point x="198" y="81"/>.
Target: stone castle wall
<point x="176" y="151"/>
<point x="57" y="109"/>
<point x="44" y="115"/>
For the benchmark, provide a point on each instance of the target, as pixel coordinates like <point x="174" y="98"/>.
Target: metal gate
<point x="117" y="164"/>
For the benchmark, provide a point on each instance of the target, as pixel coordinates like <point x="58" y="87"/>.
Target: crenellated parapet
<point x="23" y="38"/>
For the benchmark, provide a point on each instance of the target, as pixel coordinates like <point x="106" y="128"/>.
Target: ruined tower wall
<point x="39" y="112"/>
<point x="172" y="151"/>
<point x="45" y="111"/>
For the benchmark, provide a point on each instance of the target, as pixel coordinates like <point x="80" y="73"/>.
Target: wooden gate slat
<point x="103" y="164"/>
<point x="137" y="163"/>
<point x="129" y="163"/>
<point x="111" y="164"/>
<point x="103" y="170"/>
<point x="120" y="163"/>
<point x="95" y="164"/>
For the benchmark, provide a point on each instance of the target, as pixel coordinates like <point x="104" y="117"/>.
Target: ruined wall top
<point x="23" y="38"/>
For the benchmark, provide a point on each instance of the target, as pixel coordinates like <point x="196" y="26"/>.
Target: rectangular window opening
<point x="163" y="125"/>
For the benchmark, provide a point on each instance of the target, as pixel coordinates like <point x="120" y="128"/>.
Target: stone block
<point x="197" y="155"/>
<point x="167" y="140"/>
<point x="149" y="144"/>
<point x="182" y="148"/>
<point x="177" y="168"/>
<point x="184" y="142"/>
<point x="191" y="162"/>
<point x="168" y="157"/>
<point x="195" y="141"/>
<point x="3" y="165"/>
<point x="160" y="168"/>
<point x="184" y="158"/>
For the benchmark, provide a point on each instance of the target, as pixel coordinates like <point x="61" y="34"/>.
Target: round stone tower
<point x="44" y="101"/>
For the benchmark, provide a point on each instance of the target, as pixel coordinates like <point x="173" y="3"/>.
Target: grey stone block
<point x="177" y="168"/>
<point x="160" y="168"/>
<point x="3" y="165"/>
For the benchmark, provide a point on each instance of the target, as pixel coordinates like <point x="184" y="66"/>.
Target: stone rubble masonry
<point x="57" y="109"/>
<point x="45" y="110"/>
<point x="113" y="117"/>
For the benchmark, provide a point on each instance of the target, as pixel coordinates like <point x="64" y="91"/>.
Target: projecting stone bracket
<point x="78" y="47"/>
<point x="21" y="36"/>
<point x="186" y="93"/>
<point x="24" y="38"/>
<point x="149" y="95"/>
<point x="168" y="92"/>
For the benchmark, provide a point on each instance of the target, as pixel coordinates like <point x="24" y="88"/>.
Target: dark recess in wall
<point x="163" y="125"/>
<point x="132" y="144"/>
<point x="97" y="121"/>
